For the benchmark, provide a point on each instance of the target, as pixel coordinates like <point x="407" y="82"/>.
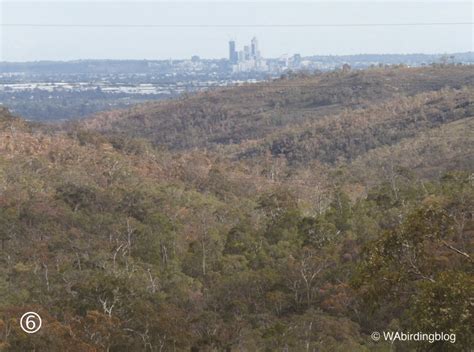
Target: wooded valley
<point x="300" y="214"/>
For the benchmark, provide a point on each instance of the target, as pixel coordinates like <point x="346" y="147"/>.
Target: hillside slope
<point x="119" y="246"/>
<point x="338" y="208"/>
<point x="235" y="115"/>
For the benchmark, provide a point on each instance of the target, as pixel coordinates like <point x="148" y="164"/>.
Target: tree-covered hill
<point x="252" y="112"/>
<point x="342" y="206"/>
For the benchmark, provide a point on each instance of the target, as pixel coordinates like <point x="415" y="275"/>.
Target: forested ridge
<point x="253" y="111"/>
<point x="296" y="215"/>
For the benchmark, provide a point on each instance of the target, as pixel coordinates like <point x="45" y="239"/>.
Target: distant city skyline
<point x="118" y="30"/>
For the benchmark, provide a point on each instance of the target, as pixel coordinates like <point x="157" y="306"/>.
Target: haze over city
<point x="70" y="30"/>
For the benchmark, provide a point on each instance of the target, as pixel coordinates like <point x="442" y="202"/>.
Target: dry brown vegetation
<point x="235" y="115"/>
<point x="300" y="214"/>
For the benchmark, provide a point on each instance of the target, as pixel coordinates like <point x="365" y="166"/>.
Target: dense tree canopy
<point x="123" y="245"/>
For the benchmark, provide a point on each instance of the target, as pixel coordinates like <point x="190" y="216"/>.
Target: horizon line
<point x="226" y="59"/>
<point x="64" y="25"/>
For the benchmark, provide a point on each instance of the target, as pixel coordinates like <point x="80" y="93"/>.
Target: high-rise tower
<point x="233" y="56"/>
<point x="254" y="49"/>
<point x="247" y="54"/>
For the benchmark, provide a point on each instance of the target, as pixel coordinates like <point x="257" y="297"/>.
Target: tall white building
<point x="254" y="52"/>
<point x="249" y="59"/>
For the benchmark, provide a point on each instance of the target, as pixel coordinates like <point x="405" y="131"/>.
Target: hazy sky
<point x="24" y="43"/>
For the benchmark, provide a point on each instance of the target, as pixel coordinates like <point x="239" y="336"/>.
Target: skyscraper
<point x="248" y="59"/>
<point x="247" y="52"/>
<point x="254" y="48"/>
<point x="233" y="56"/>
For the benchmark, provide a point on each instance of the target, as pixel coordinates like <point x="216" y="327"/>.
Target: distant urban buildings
<point x="247" y="60"/>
